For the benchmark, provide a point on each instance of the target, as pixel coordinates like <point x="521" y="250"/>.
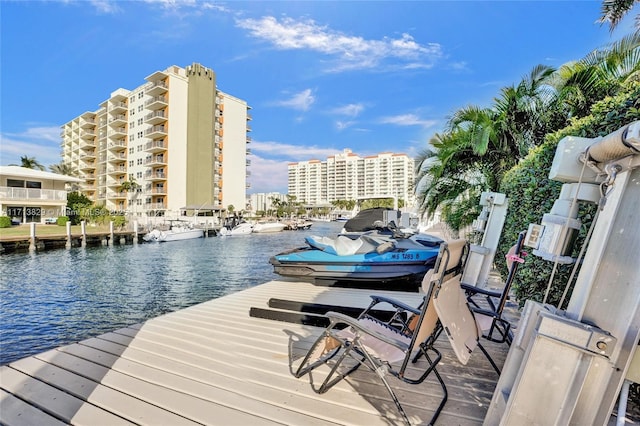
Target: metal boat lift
<point x="568" y="367"/>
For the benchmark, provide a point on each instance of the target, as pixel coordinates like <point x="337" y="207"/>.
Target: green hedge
<point x="531" y="194"/>
<point x="5" y="222"/>
<point x="62" y="221"/>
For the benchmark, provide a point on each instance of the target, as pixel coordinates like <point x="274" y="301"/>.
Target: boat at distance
<point x="268" y="227"/>
<point x="178" y="230"/>
<point x="242" y="228"/>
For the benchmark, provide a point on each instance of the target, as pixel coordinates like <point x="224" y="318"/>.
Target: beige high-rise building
<point x="180" y="140"/>
<point x="347" y="176"/>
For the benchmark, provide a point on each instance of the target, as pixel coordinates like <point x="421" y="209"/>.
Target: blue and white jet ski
<point x="370" y="256"/>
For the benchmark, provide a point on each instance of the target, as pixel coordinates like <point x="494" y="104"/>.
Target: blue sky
<point x="321" y="76"/>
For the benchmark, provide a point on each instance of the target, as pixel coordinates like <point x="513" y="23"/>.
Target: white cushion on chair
<point x="376" y="347"/>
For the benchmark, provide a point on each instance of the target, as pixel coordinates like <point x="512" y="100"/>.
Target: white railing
<point x="8" y="193"/>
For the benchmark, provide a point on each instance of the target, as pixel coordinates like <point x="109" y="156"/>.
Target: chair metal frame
<point x="413" y="342"/>
<point x="500" y="330"/>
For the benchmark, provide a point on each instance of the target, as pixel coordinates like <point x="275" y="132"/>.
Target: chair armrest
<point x="473" y="289"/>
<point x="338" y="318"/>
<point x="395" y="303"/>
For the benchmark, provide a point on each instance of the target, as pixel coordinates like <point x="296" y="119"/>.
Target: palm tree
<point x="601" y="73"/>
<point x="63" y="168"/>
<point x="29" y="163"/>
<point x="614" y="10"/>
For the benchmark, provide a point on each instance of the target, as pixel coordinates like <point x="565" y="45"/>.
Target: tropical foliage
<point x="479" y="145"/>
<point x="614" y="10"/>
<point x="29" y="163"/>
<point x="63" y="168"/>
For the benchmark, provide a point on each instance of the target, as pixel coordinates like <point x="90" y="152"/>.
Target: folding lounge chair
<point x="459" y="321"/>
<point x="495" y="327"/>
<point x="386" y="346"/>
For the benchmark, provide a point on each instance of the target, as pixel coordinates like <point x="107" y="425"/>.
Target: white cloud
<point x="185" y="7"/>
<point x="268" y="175"/>
<point x="351" y="52"/>
<point x="291" y="152"/>
<point x="350" y="110"/>
<point x="43" y="143"/>
<point x="341" y="125"/>
<point x="408" y="120"/>
<point x="271" y="174"/>
<point x="300" y="101"/>
<point x="105" y="6"/>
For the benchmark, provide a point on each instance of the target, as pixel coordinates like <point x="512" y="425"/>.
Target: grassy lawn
<point x="24" y="230"/>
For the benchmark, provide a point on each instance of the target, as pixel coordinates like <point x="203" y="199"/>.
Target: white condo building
<point x="347" y="176"/>
<point x="180" y="139"/>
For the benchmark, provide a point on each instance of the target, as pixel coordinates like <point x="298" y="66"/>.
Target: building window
<point x="131" y="138"/>
<point x="131" y="150"/>
<point x="139" y="175"/>
<point x="140" y="95"/>
<point x="132" y="111"/>
<point x="139" y="135"/>
<point x="132" y="124"/>
<point x="131" y="163"/>
<point x="15" y="183"/>
<point x="139" y="121"/>
<point x="139" y="161"/>
<point x="140" y="108"/>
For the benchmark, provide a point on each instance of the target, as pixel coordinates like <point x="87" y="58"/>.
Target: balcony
<point x="88" y="144"/>
<point x="155" y="160"/>
<point x="87" y="123"/>
<point x="118" y="120"/>
<point x="116" y="195"/>
<point x="118" y="132"/>
<point x="118" y="107"/>
<point x="117" y="146"/>
<point x="88" y="155"/>
<point x="249" y="140"/>
<point x="157" y="102"/>
<point x="88" y="134"/>
<point x="156" y="117"/>
<point x="155" y="146"/>
<point x="117" y="171"/>
<point x="87" y="187"/>
<point x="157" y="191"/>
<point x="156" y="132"/>
<point x="155" y="206"/>
<point x="87" y="165"/>
<point x="116" y="158"/>
<point x="155" y="176"/>
<point x="27" y="194"/>
<point x="157" y="88"/>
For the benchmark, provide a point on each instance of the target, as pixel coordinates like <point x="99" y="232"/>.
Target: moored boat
<point x="243" y="228"/>
<point x="178" y="230"/>
<point x="268" y="227"/>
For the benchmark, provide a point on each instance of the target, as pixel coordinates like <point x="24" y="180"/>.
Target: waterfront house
<point x="28" y="195"/>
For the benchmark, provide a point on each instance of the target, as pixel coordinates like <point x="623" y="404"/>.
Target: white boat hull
<point x="242" y="229"/>
<point x="264" y="228"/>
<point x="173" y="235"/>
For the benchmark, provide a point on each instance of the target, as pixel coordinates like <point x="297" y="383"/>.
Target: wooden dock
<point x="213" y="363"/>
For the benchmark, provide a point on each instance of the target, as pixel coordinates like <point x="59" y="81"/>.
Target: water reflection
<point x="61" y="296"/>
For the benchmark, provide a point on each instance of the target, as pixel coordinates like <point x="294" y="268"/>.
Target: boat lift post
<point x="489" y="223"/>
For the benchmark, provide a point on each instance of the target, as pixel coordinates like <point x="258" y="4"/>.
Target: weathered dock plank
<point x="213" y="363"/>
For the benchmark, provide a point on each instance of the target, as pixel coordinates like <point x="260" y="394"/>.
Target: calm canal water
<point x="57" y="297"/>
